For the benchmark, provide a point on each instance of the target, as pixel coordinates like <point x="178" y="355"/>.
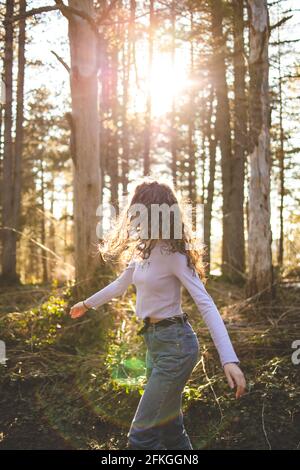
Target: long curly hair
<point x="132" y="234"/>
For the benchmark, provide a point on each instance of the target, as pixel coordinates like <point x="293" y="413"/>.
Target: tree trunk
<point x="281" y="162"/>
<point x="259" y="238"/>
<point x="191" y="126"/>
<point x="212" y="141"/>
<point x="114" y="145"/>
<point x="125" y="129"/>
<point x="85" y="117"/>
<point x="237" y="238"/>
<point x="173" y="133"/>
<point x="223" y="130"/>
<point x="148" y="116"/>
<point x="19" y="117"/>
<point x="43" y="227"/>
<point x="9" y="274"/>
<point x="52" y="237"/>
<point x="104" y="111"/>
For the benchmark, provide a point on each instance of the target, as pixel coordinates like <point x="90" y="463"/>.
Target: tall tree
<point x="191" y="123"/>
<point x="236" y="219"/>
<point x="113" y="151"/>
<point x="280" y="157"/>
<point x="223" y="127"/>
<point x="173" y="133"/>
<point x="19" y="139"/>
<point x="104" y="109"/>
<point x="232" y="161"/>
<point x="259" y="237"/>
<point x="9" y="274"/>
<point x="212" y="143"/>
<point x="148" y="116"/>
<point x="125" y="130"/>
<point x="85" y="116"/>
<point x="43" y="223"/>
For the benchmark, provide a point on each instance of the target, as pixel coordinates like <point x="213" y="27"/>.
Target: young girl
<point x="158" y="267"/>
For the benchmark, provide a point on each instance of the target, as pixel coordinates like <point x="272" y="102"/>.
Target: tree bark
<point x="85" y="116"/>
<point x="9" y="274"/>
<point x="104" y="110"/>
<point x="191" y="125"/>
<point x="52" y="236"/>
<point x="44" y="260"/>
<point x="148" y="116"/>
<point x="237" y="238"/>
<point x="259" y="238"/>
<point x="19" y="143"/>
<point x="281" y="161"/>
<point x="125" y="129"/>
<point x="173" y="132"/>
<point x="223" y="129"/>
<point x="114" y="145"/>
<point x="212" y="142"/>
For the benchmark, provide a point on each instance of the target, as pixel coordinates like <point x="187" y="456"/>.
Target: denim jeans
<point x="172" y="353"/>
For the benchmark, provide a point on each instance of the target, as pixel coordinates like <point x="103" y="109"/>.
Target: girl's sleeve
<point x="206" y="306"/>
<point x="114" y="289"/>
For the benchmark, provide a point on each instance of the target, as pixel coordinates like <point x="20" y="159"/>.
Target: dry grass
<point x="64" y="387"/>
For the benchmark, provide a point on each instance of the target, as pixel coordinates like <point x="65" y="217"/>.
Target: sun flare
<point x="166" y="82"/>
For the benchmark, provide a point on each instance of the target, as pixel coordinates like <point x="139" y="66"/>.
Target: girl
<point x="158" y="266"/>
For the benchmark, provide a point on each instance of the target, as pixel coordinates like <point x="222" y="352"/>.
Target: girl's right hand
<point x="78" y="310"/>
<point x="235" y="378"/>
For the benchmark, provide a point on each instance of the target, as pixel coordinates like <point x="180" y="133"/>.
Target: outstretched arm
<point x="114" y="289"/>
<point x="206" y="306"/>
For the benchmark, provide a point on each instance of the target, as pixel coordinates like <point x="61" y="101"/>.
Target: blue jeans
<point x="172" y="353"/>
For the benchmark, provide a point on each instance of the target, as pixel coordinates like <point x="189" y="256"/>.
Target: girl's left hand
<point x="235" y="377"/>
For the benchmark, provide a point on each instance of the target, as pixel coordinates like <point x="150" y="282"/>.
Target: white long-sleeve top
<point x="158" y="281"/>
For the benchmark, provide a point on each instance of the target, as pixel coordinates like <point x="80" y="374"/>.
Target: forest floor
<point x="75" y="385"/>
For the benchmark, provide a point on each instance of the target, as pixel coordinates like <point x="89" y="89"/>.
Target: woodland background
<point x="94" y="95"/>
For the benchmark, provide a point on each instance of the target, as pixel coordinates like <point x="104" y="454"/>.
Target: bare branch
<point x="279" y="43"/>
<point x="68" y="11"/>
<point x="281" y="22"/>
<point x="61" y="60"/>
<point x="34" y="11"/>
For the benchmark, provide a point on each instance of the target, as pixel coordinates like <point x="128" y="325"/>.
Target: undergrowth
<point x="76" y="384"/>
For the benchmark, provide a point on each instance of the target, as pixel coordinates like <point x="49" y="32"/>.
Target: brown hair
<point x="124" y="240"/>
